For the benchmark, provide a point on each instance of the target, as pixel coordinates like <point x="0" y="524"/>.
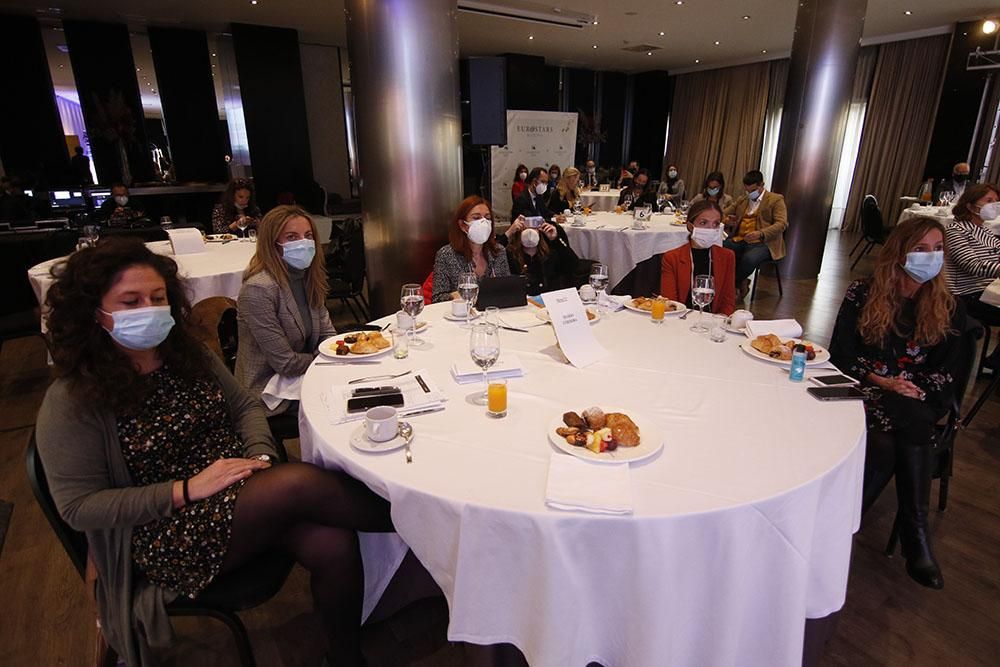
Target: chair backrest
<point x="966" y="361"/>
<point x="871" y="217"/>
<point x="73" y="541"/>
<point x="213" y="322"/>
<point x="354" y="261"/>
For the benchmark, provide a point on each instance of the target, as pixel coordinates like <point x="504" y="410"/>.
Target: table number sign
<point x="569" y="319"/>
<point x="186" y="241"/>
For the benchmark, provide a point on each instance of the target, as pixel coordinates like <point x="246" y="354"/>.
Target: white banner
<point x="535" y="139"/>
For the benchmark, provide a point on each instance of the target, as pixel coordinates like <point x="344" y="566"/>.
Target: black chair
<point x="777" y="276"/>
<point x="946" y="431"/>
<point x="250" y="586"/>
<point x="345" y="267"/>
<point x="872" y="228"/>
<point x="993" y="363"/>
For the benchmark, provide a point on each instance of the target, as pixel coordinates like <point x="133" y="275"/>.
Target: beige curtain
<point x="717" y="123"/>
<point x="986" y="133"/>
<point x="898" y="124"/>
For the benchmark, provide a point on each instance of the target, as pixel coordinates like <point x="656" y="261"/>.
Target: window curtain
<point x="772" y="124"/>
<point x="717" y="123"/>
<point x="898" y="124"/>
<point x="986" y="157"/>
<point x="852" y="135"/>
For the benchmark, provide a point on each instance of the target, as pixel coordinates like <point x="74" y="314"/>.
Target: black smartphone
<point x="362" y="403"/>
<point x="833" y="380"/>
<point x="836" y="393"/>
<point x="365" y="391"/>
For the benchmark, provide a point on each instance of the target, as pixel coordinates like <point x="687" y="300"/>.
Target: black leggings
<point x="913" y="426"/>
<point x="314" y="515"/>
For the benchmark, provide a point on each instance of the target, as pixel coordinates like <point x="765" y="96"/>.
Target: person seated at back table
<point x="531" y="203"/>
<point x="471" y="247"/>
<point x="237" y="206"/>
<point x="672" y="188"/>
<point x="120" y="208"/>
<point x="281" y="310"/>
<point x="973" y="258"/>
<point x="520" y="180"/>
<point x="627" y="173"/>
<point x="566" y="194"/>
<point x="702" y="255"/>
<point x="637" y="194"/>
<point x="592" y="177"/>
<point x="756" y="224"/>
<point x="156" y="453"/>
<point x="543" y="256"/>
<point x="554" y="174"/>
<point x="714" y="189"/>
<point x="956" y="184"/>
<point x="898" y="333"/>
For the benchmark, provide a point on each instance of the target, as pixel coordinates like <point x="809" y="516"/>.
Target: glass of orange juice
<point x="496" y="398"/>
<point x="659" y="308"/>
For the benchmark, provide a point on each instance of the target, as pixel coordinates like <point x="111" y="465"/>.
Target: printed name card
<point x="569" y="319"/>
<point x="186" y="241"/>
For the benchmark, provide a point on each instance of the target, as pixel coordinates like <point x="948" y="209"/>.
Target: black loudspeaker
<point x="488" y="101"/>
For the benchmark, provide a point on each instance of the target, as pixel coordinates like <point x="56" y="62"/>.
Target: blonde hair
<point x="564" y="191"/>
<point x="935" y="304"/>
<point x="268" y="257"/>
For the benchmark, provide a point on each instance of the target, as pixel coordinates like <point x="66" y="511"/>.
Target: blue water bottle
<point x="798" y="370"/>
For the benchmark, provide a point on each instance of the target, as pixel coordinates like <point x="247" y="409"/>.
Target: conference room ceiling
<point x="695" y="33"/>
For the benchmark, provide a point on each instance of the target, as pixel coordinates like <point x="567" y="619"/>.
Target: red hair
<point x="457" y="237"/>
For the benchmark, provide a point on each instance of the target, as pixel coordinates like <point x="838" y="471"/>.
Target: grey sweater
<point x="94" y="492"/>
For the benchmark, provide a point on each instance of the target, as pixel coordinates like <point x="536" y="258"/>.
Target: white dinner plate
<point x="328" y="348"/>
<point x="822" y="354"/>
<point x="221" y="237"/>
<point x="650" y="441"/>
<point x="361" y="442"/>
<point x="543" y="315"/>
<point x="421" y="325"/>
<point x="734" y="330"/>
<point x="455" y="318"/>
<point x="679" y="308"/>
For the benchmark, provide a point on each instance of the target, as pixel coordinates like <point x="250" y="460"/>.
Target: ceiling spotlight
<point x="213" y="55"/>
<point x="662" y="33"/>
<point x="595" y="21"/>
<point x="531" y="36"/>
<point x="595" y="46"/>
<point x="649" y="53"/>
<point x="717" y="42"/>
<point x="679" y="2"/>
<point x="989" y="26"/>
<point x="253" y="2"/>
<point x="907" y="13"/>
<point x="746" y="17"/>
<point x="764" y="51"/>
<point x="138" y="69"/>
<point x="696" y="61"/>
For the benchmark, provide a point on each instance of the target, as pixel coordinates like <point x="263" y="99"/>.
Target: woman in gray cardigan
<point x="281" y="309"/>
<point x="154" y="451"/>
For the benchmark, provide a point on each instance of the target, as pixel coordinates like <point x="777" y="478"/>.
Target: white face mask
<point x="541" y="188"/>
<point x="121" y="200"/>
<point x="479" y="230"/>
<point x="529" y="238"/>
<point x="672" y="173"/>
<point x="990" y="211"/>
<point x="522" y="175"/>
<point x="706" y="237"/>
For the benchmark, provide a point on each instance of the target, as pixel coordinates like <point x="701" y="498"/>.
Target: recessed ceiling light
<point x="531" y="36"/>
<point x="989" y="27"/>
<point x="679" y="2"/>
<point x="696" y="61"/>
<point x="662" y="33"/>
<point x="908" y="13"/>
<point x="595" y="21"/>
<point x="649" y="53"/>
<point x="746" y="17"/>
<point x="138" y="69"/>
<point x="61" y="66"/>
<point x="253" y="2"/>
<point x="213" y="55"/>
<point x="717" y="42"/>
<point x="595" y="46"/>
<point x="764" y="51"/>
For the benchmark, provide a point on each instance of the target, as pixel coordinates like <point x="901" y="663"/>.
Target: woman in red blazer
<point x="701" y="255"/>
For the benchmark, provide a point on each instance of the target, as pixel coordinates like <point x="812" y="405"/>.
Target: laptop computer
<point x="505" y="292"/>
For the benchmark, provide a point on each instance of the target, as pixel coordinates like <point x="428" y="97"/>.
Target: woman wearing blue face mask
<point x="714" y="190"/>
<point x="672" y="187"/>
<point x="155" y="452"/>
<point x="974" y="250"/>
<point x="282" y="306"/>
<point x="898" y="333"/>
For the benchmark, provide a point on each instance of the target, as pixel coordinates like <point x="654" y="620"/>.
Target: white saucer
<point x="361" y="442"/>
<point x="733" y="330"/>
<point x="454" y="318"/>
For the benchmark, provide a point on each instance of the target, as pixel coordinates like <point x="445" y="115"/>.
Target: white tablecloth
<point x="601" y="201"/>
<point x="216" y="272"/>
<point x="741" y="529"/>
<point x="928" y="211"/>
<point x="603" y="240"/>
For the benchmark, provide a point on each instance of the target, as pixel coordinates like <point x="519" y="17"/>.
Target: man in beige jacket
<point x="756" y="225"/>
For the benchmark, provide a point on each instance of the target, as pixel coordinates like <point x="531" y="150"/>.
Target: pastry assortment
<point x="776" y="348"/>
<point x="646" y="304"/>
<point x="362" y="343"/>
<point x="599" y="431"/>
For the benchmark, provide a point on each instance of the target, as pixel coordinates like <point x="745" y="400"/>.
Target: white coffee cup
<point x="403" y="320"/>
<point x="739" y="319"/>
<point x="579" y="221"/>
<point x="459" y="308"/>
<point x="587" y="294"/>
<point x="381" y="423"/>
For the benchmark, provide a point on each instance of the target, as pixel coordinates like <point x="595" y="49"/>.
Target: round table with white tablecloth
<point x="610" y="239"/>
<point x="216" y="272"/>
<point x="741" y="527"/>
<point x="600" y="201"/>
<point x="942" y="213"/>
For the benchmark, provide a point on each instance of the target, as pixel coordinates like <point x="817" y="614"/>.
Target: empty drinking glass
<point x="702" y="293"/>
<point x="484" y="348"/>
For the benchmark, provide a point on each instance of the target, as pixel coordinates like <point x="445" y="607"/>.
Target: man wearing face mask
<point x="704" y="255"/>
<point x="120" y="208"/>
<point x="590" y="179"/>
<point x="959" y="179"/>
<point x="637" y="193"/>
<point x="543" y="257"/>
<point x="973" y="257"/>
<point x="756" y="224"/>
<point x="531" y="203"/>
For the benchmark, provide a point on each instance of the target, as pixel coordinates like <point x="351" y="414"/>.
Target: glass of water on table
<point x="484" y="348"/>
<point x="599" y="281"/>
<point x="702" y="294"/>
<point x="411" y="300"/>
<point x="468" y="289"/>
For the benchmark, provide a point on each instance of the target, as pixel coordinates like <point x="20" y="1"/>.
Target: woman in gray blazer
<point x="282" y="311"/>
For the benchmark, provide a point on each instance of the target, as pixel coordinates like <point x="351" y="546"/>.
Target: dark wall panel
<point x="650" y="107"/>
<point x="274" y="106"/>
<point x="32" y="144"/>
<point x="101" y="56"/>
<point x="531" y="84"/>
<point x="580" y="84"/>
<point x="488" y="101"/>
<point x="612" y="117"/>
<point x="959" y="105"/>
<point x="187" y="94"/>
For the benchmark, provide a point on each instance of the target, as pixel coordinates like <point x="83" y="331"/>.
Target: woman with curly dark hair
<point x="165" y="463"/>
<point x="237" y="209"/>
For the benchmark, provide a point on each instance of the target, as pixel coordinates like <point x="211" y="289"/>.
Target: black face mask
<point x="960" y="178"/>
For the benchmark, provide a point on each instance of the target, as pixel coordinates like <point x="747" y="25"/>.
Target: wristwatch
<point x="266" y="458"/>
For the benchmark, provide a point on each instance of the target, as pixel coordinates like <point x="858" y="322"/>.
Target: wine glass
<point x="91" y="234"/>
<point x="252" y="235"/>
<point x="468" y="289"/>
<point x="599" y="281"/>
<point x="411" y="299"/>
<point x="484" y="348"/>
<point x="661" y="203"/>
<point x="241" y="224"/>
<point x="701" y="295"/>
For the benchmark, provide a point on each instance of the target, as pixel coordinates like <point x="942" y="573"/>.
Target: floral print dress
<point x="183" y="427"/>
<point x="926" y="366"/>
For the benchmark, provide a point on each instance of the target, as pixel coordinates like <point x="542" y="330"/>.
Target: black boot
<point x="913" y="489"/>
<point x="880" y="463"/>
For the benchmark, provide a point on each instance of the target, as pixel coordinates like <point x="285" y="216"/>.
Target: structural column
<point x="404" y="76"/>
<point x="824" y="57"/>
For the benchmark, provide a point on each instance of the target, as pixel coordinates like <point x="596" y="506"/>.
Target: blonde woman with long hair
<point x="282" y="305"/>
<point x="566" y="192"/>
<point x="897" y="333"/>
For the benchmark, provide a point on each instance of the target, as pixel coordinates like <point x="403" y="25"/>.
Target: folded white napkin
<point x="415" y="398"/>
<point x="616" y="302"/>
<point x="507" y="366"/>
<point x="521" y="318"/>
<point x="575" y="484"/>
<point x="780" y="328"/>
<point x="281" y="388"/>
<point x="991" y="294"/>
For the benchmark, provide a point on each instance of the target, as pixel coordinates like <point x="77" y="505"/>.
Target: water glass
<point x="400" y="343"/>
<point x="702" y="294"/>
<point x="252" y="234"/>
<point x="468" y="290"/>
<point x="484" y="348"/>
<point x="492" y="316"/>
<point x="599" y="281"/>
<point x="411" y="299"/>
<point x="718" y="332"/>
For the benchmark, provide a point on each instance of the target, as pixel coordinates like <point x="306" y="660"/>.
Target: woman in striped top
<point x="973" y="257"/>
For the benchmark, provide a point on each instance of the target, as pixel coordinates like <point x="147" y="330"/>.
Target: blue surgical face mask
<point x="924" y="266"/>
<point x="141" y="328"/>
<point x="754" y="195"/>
<point x="713" y="192"/>
<point x="299" y="254"/>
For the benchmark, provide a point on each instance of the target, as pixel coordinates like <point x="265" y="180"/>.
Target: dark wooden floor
<point x="887" y="619"/>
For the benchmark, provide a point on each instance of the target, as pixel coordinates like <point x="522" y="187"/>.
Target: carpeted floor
<point x="6" y="509"/>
